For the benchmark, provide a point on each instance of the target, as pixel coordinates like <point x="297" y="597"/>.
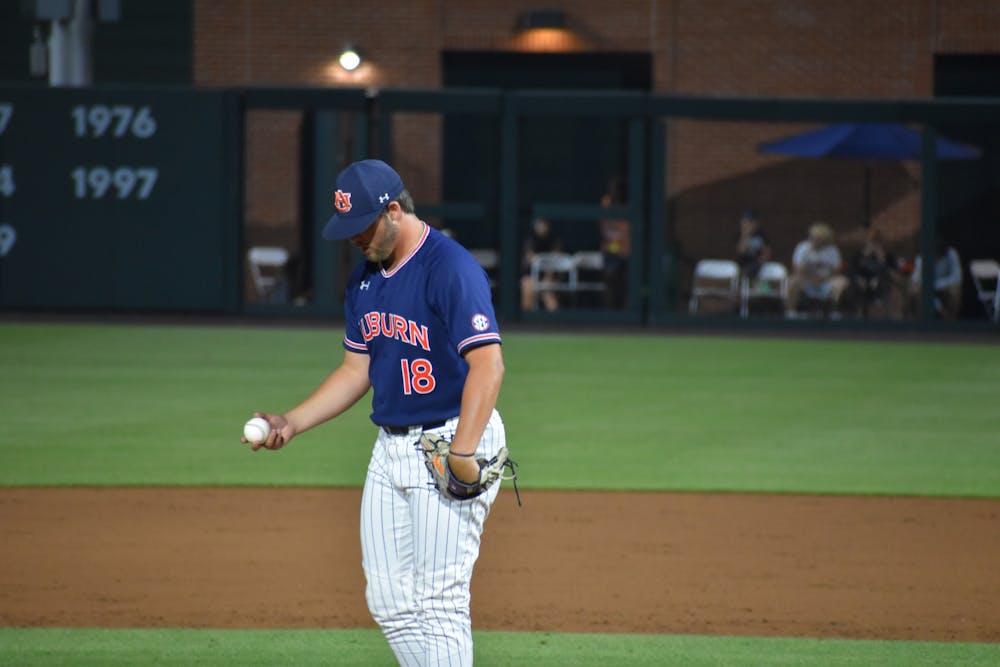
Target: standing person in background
<point x="421" y="332"/>
<point x="616" y="246"/>
<point x="816" y="271"/>
<point x="752" y="247"/>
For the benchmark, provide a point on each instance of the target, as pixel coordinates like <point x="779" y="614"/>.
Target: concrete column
<point x="71" y="48"/>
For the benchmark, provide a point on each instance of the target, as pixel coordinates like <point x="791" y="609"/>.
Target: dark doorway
<point x="564" y="159"/>
<point x="969" y="190"/>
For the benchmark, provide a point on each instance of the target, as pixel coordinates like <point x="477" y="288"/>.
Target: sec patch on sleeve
<point x="480" y="322"/>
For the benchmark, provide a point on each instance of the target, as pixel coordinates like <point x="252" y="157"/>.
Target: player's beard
<point x="383" y="241"/>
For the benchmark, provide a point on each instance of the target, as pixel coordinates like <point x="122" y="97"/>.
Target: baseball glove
<point x="436" y="452"/>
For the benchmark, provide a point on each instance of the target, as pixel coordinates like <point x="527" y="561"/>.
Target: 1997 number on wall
<point x="123" y="182"/>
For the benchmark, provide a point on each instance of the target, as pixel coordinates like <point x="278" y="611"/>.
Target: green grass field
<point x="133" y="405"/>
<point x="164" y="405"/>
<point x="364" y="648"/>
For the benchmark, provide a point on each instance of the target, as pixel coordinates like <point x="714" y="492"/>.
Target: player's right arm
<point x="344" y="387"/>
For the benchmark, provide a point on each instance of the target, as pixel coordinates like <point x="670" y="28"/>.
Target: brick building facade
<point x="843" y="49"/>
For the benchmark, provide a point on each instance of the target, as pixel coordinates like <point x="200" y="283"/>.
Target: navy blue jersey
<point x="415" y="322"/>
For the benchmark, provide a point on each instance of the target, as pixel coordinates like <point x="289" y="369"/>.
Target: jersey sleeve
<point x="354" y="340"/>
<point x="460" y="293"/>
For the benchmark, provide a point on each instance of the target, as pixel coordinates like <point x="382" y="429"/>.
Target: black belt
<point x="403" y="430"/>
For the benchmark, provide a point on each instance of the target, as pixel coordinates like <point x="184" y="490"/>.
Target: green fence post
<point x="324" y="172"/>
<point x="928" y="221"/>
<point x="636" y="214"/>
<point x="657" y="220"/>
<point x="233" y="218"/>
<point x="509" y="256"/>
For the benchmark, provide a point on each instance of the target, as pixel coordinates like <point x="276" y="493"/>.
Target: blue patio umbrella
<point x="879" y="141"/>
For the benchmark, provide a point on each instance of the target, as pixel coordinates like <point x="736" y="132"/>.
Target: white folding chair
<point x="553" y="272"/>
<point x="714" y="278"/>
<point x="985" y="275"/>
<point x="267" y="269"/>
<point x="771" y="283"/>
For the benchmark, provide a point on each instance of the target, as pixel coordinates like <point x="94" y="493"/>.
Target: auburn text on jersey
<point x="395" y="326"/>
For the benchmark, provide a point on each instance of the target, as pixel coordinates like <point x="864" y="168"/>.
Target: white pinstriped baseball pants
<point x="418" y="550"/>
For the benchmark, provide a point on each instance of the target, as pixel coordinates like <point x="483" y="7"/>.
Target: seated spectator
<point x="870" y="277"/>
<point x="752" y="247"/>
<point x="947" y="283"/>
<point x="816" y="280"/>
<point x="541" y="240"/>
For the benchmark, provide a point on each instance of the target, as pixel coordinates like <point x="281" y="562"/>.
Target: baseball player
<point x="422" y="333"/>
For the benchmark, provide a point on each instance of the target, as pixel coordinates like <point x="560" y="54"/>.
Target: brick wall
<point x="842" y="48"/>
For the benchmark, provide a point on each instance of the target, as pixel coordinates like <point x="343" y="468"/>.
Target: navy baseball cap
<point x="363" y="190"/>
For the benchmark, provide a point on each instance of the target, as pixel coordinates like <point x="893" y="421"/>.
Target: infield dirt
<point x="733" y="564"/>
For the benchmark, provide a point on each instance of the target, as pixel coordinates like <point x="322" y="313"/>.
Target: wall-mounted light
<point x="350" y="58"/>
<point x="350" y="66"/>
<point x="545" y="30"/>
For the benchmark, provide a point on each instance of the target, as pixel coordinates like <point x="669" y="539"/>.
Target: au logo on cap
<point x="342" y="201"/>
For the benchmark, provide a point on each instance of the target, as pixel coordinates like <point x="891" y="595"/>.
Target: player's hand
<point x="281" y="432"/>
<point x="465" y="468"/>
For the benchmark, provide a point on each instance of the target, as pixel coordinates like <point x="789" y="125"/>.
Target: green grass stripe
<point x="367" y="648"/>
<point x="164" y="405"/>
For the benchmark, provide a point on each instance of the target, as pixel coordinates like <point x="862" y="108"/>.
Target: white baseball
<point x="256" y="430"/>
